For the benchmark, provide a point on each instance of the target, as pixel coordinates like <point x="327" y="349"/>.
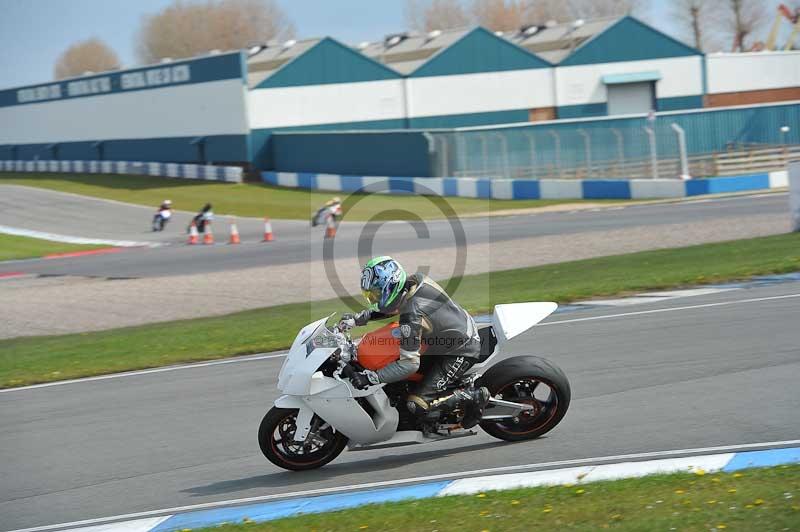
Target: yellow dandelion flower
<point x="722" y="526"/>
<point x="481" y="495"/>
<point x="712" y="501"/>
<point x="679" y="492"/>
<point x="748" y="506"/>
<point x="700" y="472"/>
<point x="484" y="512"/>
<point x="616" y="517"/>
<point x="580" y="491"/>
<point x="547" y="510"/>
<point x="737" y="475"/>
<point x="732" y="490"/>
<point x="715" y="479"/>
<point x="363" y="527"/>
<point x="514" y="503"/>
<point x="758" y="502"/>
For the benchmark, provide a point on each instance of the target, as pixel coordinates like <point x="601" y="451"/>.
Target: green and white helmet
<point x="382" y="282"/>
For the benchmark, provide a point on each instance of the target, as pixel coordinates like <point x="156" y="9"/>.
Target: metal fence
<point x="662" y="146"/>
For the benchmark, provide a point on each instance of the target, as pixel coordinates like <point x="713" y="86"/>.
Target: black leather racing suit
<point x="432" y="322"/>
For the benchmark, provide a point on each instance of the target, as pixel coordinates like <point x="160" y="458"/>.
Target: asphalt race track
<point x="296" y="242"/>
<point x="709" y="370"/>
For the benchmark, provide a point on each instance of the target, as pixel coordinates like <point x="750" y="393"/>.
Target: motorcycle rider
<point x="163" y="215"/>
<point x="429" y="319"/>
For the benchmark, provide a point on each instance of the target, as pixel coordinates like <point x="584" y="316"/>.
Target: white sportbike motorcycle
<point x="321" y="412"/>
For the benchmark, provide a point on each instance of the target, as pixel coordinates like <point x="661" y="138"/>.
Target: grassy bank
<point x="252" y="199"/>
<point x="14" y="247"/>
<point x="756" y="499"/>
<point x="42" y="359"/>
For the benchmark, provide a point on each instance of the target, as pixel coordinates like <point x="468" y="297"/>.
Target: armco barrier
<point x="229" y="174"/>
<point x="467" y="187"/>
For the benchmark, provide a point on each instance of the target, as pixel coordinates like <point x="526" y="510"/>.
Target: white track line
<point x="414" y="480"/>
<point x="671" y="309"/>
<point x="260" y="356"/>
<point x="73" y="239"/>
<point x="263" y="356"/>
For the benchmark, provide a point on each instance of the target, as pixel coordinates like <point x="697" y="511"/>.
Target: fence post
<point x="506" y="162"/>
<point x="461" y="145"/>
<point x="682" y="148"/>
<point x="653" y="154"/>
<point x="557" y="141"/>
<point x="587" y="142"/>
<point x="532" y="146"/>
<point x="620" y="150"/>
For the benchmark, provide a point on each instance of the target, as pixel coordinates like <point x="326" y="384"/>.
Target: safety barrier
<point x="230" y="174"/>
<point x="467" y="187"/>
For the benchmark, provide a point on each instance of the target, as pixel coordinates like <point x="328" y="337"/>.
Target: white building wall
<point x="583" y="84"/>
<point x="210" y="108"/>
<point x="326" y="104"/>
<point x="480" y="93"/>
<point x="752" y="71"/>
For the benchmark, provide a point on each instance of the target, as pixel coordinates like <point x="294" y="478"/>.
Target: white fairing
<point x="333" y="400"/>
<point x="514" y="319"/>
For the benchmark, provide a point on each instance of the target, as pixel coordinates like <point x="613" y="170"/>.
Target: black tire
<point x="524" y="371"/>
<point x="282" y="456"/>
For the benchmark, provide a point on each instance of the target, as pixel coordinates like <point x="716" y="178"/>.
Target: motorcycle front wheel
<point x="276" y="439"/>
<point x="533" y="381"/>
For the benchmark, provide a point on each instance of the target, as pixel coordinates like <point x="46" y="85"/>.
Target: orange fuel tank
<point x="381" y="347"/>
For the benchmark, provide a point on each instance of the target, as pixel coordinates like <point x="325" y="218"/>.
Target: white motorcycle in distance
<point x="321" y="412"/>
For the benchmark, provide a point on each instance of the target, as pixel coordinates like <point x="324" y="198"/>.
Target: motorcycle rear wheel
<point x="275" y="440"/>
<point x="530" y="380"/>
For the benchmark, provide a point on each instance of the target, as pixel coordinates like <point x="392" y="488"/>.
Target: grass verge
<point x="756" y="499"/>
<point x="14" y="247"/>
<point x="49" y="358"/>
<point x="253" y="199"/>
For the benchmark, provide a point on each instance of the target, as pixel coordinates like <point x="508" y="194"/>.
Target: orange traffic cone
<point x="330" y="230"/>
<point x="234" y="234"/>
<point x="208" y="236"/>
<point x="194" y="238"/>
<point x="267" y="230"/>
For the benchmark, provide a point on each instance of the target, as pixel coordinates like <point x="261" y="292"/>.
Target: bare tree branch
<point x="736" y="24"/>
<point x="435" y="15"/>
<point x="186" y="29"/>
<point x="92" y="55"/>
<point x="692" y="17"/>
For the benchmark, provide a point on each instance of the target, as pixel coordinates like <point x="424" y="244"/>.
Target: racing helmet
<point x="382" y="282"/>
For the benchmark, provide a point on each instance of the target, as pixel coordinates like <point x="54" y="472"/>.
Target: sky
<point x="33" y="33"/>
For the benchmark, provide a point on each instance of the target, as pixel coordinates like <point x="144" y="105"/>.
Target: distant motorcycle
<point x="321" y="412"/>
<point x="161" y="218"/>
<point x="331" y="210"/>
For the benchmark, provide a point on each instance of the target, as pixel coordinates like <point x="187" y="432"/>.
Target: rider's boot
<point x="471" y="401"/>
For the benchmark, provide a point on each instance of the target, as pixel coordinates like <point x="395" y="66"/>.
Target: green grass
<point x="42" y="359"/>
<point x="254" y="199"/>
<point x="21" y="247"/>
<point x="755" y="499"/>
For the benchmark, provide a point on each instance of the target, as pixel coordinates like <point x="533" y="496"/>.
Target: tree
<point x="591" y="9"/>
<point x="691" y="17"/>
<point x="91" y="55"/>
<point x="435" y="15"/>
<point x="736" y="23"/>
<point x="186" y="29"/>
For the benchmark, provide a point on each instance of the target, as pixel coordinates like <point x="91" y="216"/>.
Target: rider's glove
<point x="356" y="319"/>
<point x="364" y="379"/>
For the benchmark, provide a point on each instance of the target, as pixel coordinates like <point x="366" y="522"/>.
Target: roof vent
<point x="527" y="31"/>
<point x="433" y="34"/>
<point x="578" y="23"/>
<point x="550" y="24"/>
<point x="255" y="49"/>
<point x="499" y="33"/>
<point x="363" y="45"/>
<point x="214" y="52"/>
<point x="394" y="40"/>
<point x="87" y="73"/>
<point x="166" y="60"/>
<point x="288" y="44"/>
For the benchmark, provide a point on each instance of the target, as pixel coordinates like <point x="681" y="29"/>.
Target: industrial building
<point x="227" y="108"/>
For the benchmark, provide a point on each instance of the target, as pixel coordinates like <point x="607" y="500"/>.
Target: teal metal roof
<point x="477" y="51"/>
<point x="631" y="77"/>
<point x="319" y="62"/>
<point x="628" y="40"/>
